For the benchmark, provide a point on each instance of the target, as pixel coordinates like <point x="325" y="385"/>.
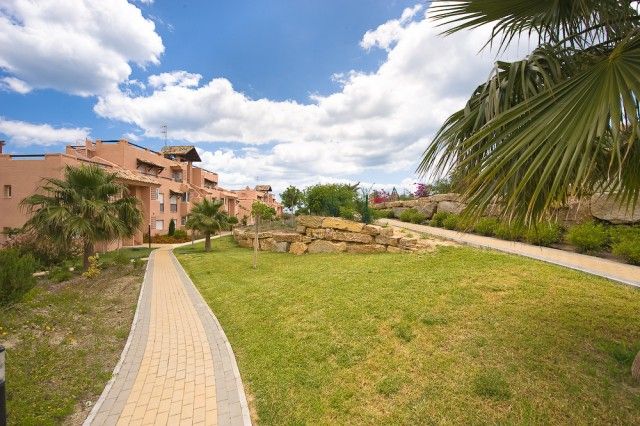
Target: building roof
<point x="186" y="152"/>
<point x="263" y="188"/>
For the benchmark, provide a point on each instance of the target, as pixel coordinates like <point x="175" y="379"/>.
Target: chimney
<point x="2" y="144"/>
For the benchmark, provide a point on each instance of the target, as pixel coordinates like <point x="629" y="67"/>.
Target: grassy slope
<point x="458" y="336"/>
<point x="63" y="341"/>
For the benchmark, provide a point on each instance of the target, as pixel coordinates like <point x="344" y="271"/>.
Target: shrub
<point x="438" y="219"/>
<point x="16" y="274"/>
<point x="346" y="212"/>
<point x="43" y="249"/>
<point x="451" y="221"/>
<point x="60" y="274"/>
<point x="588" y="237"/>
<point x="626" y="243"/>
<point x="232" y="220"/>
<point x="543" y="234"/>
<point x="413" y="216"/>
<point x="486" y="226"/>
<point x="94" y="268"/>
<point x="172" y="227"/>
<point x="509" y="231"/>
<point x="181" y="233"/>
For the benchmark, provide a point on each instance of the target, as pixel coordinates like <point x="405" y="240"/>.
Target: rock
<point x="635" y="367"/>
<point x="444" y="197"/>
<point x="321" y="246"/>
<point x="371" y="229"/>
<point x="365" y="248"/>
<point x="387" y="240"/>
<point x="352" y="237"/>
<point x="245" y="242"/>
<point x="392" y="204"/>
<point x="301" y="229"/>
<point x="310" y="221"/>
<point x="426" y="207"/>
<point x="319" y="233"/>
<point x="576" y="211"/>
<point x="270" y="244"/>
<point x="298" y="248"/>
<point x="263" y="234"/>
<point x="342" y="224"/>
<point x="386" y="231"/>
<point x="453" y="207"/>
<point x="605" y="207"/>
<point x="407" y="243"/>
<point x="397" y="211"/>
<point x="392" y="249"/>
<point x="288" y="237"/>
<point x="282" y="246"/>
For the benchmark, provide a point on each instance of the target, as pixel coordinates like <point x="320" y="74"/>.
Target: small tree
<point x="259" y="211"/>
<point x="292" y="198"/>
<point x="207" y="218"/>
<point x="172" y="227"/>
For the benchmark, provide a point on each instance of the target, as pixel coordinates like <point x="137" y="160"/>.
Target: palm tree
<point x="563" y="121"/>
<point x="89" y="204"/>
<point x="207" y="218"/>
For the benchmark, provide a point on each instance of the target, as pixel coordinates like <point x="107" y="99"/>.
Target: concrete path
<point x="627" y="274"/>
<point x="177" y="366"/>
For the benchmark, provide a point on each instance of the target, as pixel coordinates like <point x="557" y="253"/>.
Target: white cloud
<point x="23" y="133"/>
<point x="391" y="31"/>
<point x="82" y="47"/>
<point x="378" y="122"/>
<point x="14" y="85"/>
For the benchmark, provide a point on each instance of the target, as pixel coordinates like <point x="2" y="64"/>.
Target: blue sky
<point x="286" y="92"/>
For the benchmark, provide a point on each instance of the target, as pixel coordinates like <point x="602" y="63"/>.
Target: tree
<point x="89" y="204"/>
<point x="207" y="218"/>
<point x="331" y="199"/>
<point x="172" y="227"/>
<point x="292" y="198"/>
<point x="260" y="211"/>
<point x="563" y="121"/>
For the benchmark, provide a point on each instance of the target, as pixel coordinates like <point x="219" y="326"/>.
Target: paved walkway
<point x="627" y="274"/>
<point x="177" y="366"/>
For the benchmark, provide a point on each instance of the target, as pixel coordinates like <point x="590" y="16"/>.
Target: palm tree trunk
<point x="207" y="241"/>
<point x="86" y="253"/>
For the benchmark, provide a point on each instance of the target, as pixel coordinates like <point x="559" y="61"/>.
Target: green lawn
<point x="63" y="341"/>
<point x="459" y="336"/>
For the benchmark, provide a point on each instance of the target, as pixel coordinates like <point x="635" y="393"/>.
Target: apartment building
<point x="167" y="183"/>
<point x="246" y="198"/>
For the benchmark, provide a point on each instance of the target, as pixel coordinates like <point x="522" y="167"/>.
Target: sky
<point x="288" y="92"/>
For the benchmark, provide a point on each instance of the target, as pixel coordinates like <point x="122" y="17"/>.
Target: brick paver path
<point x="177" y="367"/>
<point x="616" y="271"/>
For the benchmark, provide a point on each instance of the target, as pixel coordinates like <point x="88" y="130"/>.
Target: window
<point x="177" y="176"/>
<point x="159" y="225"/>
<point x="185" y="197"/>
<point x="154" y="193"/>
<point x="7" y="191"/>
<point x="161" y="200"/>
<point x="173" y="200"/>
<point x="183" y="220"/>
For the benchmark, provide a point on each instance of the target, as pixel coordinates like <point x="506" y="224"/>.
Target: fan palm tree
<point x="563" y="121"/>
<point x="88" y="204"/>
<point x="207" y="218"/>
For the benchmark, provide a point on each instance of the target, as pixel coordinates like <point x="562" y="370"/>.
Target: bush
<point x="347" y="212"/>
<point x="626" y="243"/>
<point x="172" y="228"/>
<point x="60" y="274"/>
<point x="328" y="199"/>
<point x="413" y="216"/>
<point x="628" y="249"/>
<point x="94" y="268"/>
<point x="438" y="219"/>
<point x="16" y="274"/>
<point x="544" y="234"/>
<point x="451" y="222"/>
<point x="510" y="231"/>
<point x="232" y="220"/>
<point x="382" y="213"/>
<point x="486" y="226"/>
<point x="181" y="234"/>
<point x="43" y="249"/>
<point x="588" y="237"/>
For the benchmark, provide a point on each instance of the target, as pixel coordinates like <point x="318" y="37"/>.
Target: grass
<point x="453" y="337"/>
<point x="63" y="341"/>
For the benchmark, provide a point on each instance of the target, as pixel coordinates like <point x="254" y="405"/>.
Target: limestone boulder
<point x="298" y="248"/>
<point x="301" y="229"/>
<point x="321" y="246"/>
<point x="407" y="243"/>
<point x="319" y="233"/>
<point x="392" y="204"/>
<point x="354" y="237"/>
<point x="392" y="249"/>
<point x="387" y="240"/>
<point x="444" y="197"/>
<point x="426" y="207"/>
<point x="453" y="207"/>
<point x="371" y="229"/>
<point x="386" y="231"/>
<point x="605" y="207"/>
<point x="365" y="248"/>
<point x="270" y="244"/>
<point x="310" y="221"/>
<point x="397" y="211"/>
<point x="288" y="237"/>
<point x="342" y="224"/>
<point x="245" y="242"/>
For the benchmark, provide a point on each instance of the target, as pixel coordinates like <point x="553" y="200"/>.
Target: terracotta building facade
<point x="167" y="183"/>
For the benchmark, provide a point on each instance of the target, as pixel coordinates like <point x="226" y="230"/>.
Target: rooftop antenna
<point x="164" y="133"/>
